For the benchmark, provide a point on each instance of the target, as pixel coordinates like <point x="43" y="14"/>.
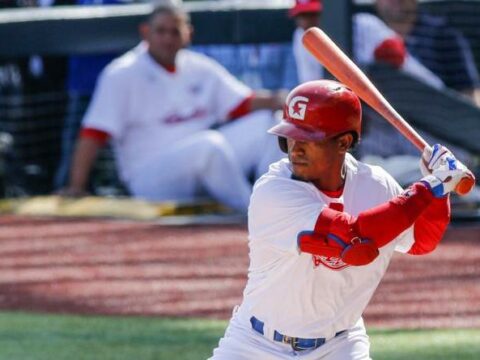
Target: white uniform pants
<point x="241" y="342"/>
<point x="213" y="163"/>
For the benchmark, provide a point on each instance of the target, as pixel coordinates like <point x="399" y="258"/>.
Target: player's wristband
<point x="435" y="185"/>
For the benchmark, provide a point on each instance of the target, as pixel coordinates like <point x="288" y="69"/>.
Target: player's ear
<point x="143" y="30"/>
<point x="344" y="142"/>
<point x="188" y="36"/>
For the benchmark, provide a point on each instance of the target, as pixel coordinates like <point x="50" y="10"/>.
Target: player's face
<point x="316" y="161"/>
<point x="166" y="34"/>
<point x="396" y="10"/>
<point x="307" y="20"/>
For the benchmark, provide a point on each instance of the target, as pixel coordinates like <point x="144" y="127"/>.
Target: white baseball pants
<point x="241" y="342"/>
<point x="212" y="163"/>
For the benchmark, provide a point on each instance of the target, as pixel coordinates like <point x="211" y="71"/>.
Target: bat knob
<point x="465" y="185"/>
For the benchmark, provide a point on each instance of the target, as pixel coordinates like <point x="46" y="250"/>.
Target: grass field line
<point x="40" y="336"/>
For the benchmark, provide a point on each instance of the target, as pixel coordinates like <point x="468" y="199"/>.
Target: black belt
<point x="297" y="344"/>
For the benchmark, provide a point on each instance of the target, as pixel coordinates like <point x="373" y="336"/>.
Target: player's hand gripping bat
<point x="339" y="65"/>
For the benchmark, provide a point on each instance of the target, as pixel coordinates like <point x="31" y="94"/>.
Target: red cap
<point x="305" y="6"/>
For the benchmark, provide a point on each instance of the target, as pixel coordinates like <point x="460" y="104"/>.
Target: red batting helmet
<point x="319" y="109"/>
<point x="305" y="6"/>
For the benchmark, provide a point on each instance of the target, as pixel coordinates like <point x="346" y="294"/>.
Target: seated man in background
<point x="82" y="73"/>
<point x="373" y="41"/>
<point x="445" y="52"/>
<point x="157" y="103"/>
<point x="439" y="47"/>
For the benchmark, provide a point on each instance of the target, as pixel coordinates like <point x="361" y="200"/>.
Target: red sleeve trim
<point x="170" y="68"/>
<point x="101" y="136"/>
<point x="391" y="51"/>
<point x="430" y="227"/>
<point x="242" y="109"/>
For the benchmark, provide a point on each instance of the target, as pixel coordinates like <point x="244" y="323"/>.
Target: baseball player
<point x="158" y="102"/>
<point x="373" y="41"/>
<point x="322" y="230"/>
<point x="432" y="40"/>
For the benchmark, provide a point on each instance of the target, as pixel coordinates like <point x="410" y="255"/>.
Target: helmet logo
<point x="297" y="107"/>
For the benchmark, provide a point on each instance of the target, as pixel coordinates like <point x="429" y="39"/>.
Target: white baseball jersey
<point x="146" y="108"/>
<point x="299" y="294"/>
<point x="368" y="33"/>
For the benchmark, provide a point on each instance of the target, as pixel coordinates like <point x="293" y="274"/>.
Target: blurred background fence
<point x="50" y="57"/>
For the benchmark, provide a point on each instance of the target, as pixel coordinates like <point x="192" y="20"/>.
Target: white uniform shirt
<point x="299" y="294"/>
<point x="308" y="68"/>
<point x="145" y="108"/>
<point x="368" y="33"/>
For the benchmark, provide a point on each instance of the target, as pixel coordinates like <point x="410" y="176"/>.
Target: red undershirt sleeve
<point x="353" y="237"/>
<point x="430" y="227"/>
<point x="391" y="51"/>
<point x="242" y="109"/>
<point x="385" y="222"/>
<point x="99" y="135"/>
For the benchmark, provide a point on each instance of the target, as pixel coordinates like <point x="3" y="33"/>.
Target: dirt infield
<point x="120" y="267"/>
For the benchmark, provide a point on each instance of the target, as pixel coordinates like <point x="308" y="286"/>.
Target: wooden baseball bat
<point x="338" y="64"/>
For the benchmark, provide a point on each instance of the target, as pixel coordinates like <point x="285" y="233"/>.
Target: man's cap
<point x="305" y="6"/>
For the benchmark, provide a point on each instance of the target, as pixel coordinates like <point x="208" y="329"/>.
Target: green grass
<point x="443" y="344"/>
<point x="55" y="337"/>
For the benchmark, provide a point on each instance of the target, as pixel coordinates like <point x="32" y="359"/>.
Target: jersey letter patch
<point x="333" y="263"/>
